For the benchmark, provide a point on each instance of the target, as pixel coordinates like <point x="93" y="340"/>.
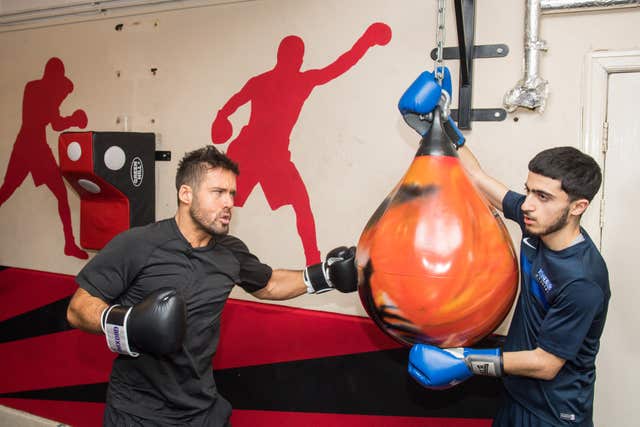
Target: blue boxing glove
<point x="441" y="368"/>
<point x="422" y="98"/>
<point x="424" y="93"/>
<point x="418" y="102"/>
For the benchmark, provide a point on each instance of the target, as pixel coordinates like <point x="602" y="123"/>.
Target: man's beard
<point x="559" y="224"/>
<point x="201" y="222"/>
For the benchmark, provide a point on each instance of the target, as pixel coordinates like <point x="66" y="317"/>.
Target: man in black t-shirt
<point x="157" y="293"/>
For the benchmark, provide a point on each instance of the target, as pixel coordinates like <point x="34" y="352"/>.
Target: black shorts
<point x="217" y="416"/>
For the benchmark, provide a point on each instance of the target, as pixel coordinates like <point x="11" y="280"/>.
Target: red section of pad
<point x="84" y="163"/>
<point x="103" y="218"/>
<point x="55" y="360"/>
<point x="295" y="419"/>
<point x="255" y="333"/>
<point x="76" y="414"/>
<point x="25" y="290"/>
<point x="103" y="214"/>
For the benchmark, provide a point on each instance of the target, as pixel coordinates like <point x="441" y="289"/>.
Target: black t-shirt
<point x="562" y="309"/>
<point x="173" y="387"/>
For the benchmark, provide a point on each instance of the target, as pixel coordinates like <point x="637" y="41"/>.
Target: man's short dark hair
<point x="579" y="174"/>
<point x="195" y="164"/>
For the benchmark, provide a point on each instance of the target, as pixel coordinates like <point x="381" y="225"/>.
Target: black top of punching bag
<point x="436" y="142"/>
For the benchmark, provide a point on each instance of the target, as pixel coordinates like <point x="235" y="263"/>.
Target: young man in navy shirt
<point x="548" y="359"/>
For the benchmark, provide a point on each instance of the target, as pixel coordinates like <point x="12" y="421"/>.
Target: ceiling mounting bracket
<point x="466" y="51"/>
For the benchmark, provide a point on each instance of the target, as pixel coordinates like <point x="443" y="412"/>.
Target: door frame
<point x="598" y="66"/>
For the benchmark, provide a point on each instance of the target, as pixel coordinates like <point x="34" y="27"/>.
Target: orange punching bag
<point x="435" y="262"/>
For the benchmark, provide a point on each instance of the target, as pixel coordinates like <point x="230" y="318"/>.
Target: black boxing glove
<point x="156" y="325"/>
<point x="338" y="271"/>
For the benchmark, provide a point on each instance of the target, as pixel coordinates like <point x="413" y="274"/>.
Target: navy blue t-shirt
<point x="562" y="309"/>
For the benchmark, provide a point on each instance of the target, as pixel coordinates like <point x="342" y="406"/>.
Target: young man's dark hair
<point x="578" y="173"/>
<point x="195" y="164"/>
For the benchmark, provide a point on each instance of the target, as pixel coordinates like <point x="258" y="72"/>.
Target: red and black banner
<point x="277" y="366"/>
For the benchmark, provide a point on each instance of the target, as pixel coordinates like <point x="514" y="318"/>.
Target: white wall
<point x="349" y="126"/>
<point x="350" y="144"/>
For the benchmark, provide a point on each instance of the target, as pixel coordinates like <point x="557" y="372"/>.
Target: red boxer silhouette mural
<point x="262" y="146"/>
<point x="31" y="153"/>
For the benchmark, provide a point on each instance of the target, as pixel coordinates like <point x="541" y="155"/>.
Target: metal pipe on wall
<point x="559" y="6"/>
<point x="531" y="91"/>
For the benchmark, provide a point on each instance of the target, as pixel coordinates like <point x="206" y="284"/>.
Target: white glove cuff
<point x="317" y="273"/>
<point x="114" y="324"/>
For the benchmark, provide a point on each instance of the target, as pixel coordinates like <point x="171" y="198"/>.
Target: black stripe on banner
<point x="78" y="393"/>
<point x="43" y="320"/>
<point x="373" y="383"/>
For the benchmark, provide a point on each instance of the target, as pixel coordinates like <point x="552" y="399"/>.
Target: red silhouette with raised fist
<point x="262" y="146"/>
<point x="31" y="153"/>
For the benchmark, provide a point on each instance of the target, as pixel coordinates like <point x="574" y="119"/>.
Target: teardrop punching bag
<point x="435" y="262"/>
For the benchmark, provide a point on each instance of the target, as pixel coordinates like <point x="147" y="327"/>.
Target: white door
<point x="617" y="375"/>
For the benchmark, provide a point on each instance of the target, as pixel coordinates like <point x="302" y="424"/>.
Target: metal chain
<point x="440" y="37"/>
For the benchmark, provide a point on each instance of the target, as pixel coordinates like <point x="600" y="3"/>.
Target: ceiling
<point x="18" y="14"/>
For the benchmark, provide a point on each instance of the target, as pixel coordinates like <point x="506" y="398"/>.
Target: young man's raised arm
<point x="492" y="189"/>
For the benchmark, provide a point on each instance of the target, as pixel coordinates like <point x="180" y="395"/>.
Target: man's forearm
<point x="283" y="285"/>
<point x="533" y="363"/>
<point x="84" y="312"/>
